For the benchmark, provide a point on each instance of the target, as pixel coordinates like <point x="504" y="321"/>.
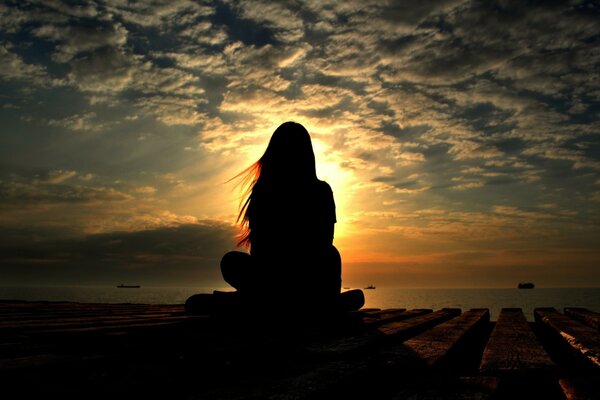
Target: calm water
<point x="494" y="299"/>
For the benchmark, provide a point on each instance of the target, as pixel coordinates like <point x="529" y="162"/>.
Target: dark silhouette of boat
<point x="527" y="285"/>
<point x="129" y="286"/>
<point x="370" y="287"/>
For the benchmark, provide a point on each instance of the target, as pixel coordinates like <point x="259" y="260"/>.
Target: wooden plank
<point x="580" y="338"/>
<point x="418" y="323"/>
<point x="382" y="315"/>
<point x="455" y="388"/>
<point x="43" y="308"/>
<point x="513" y="347"/>
<point x="397" y="329"/>
<point x="357" y="318"/>
<point x="41" y="360"/>
<point x="109" y="309"/>
<point x="14" y="304"/>
<point x="436" y="343"/>
<point x="393" y="316"/>
<point x="73" y="322"/>
<point x="357" y="321"/>
<point x="51" y="348"/>
<point x="375" y="359"/>
<point x="585" y="316"/>
<point x="265" y="359"/>
<point x="124" y="327"/>
<point x="100" y="325"/>
<point x="374" y="312"/>
<point x="5" y="320"/>
<point x="353" y="324"/>
<point x="586" y="388"/>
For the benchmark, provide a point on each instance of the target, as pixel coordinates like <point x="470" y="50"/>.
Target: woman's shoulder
<point x="324" y="186"/>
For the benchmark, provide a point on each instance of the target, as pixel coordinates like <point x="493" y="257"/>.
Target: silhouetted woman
<point x="287" y="221"/>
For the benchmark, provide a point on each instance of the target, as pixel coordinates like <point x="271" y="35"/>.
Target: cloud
<point x="54" y="187"/>
<point x="57" y="176"/>
<point x="11" y="18"/>
<point x="576" y="157"/>
<point x="42" y="194"/>
<point x="282" y="18"/>
<point x="170" y="95"/>
<point x="173" y="110"/>
<point x="441" y="228"/>
<point x="79" y="122"/>
<point x="86" y="10"/>
<point x="159" y="256"/>
<point x="13" y="67"/>
<point x="469" y="185"/>
<point x="107" y="70"/>
<point x="151" y="13"/>
<point x="86" y="177"/>
<point x="146" y="190"/>
<point x="74" y="39"/>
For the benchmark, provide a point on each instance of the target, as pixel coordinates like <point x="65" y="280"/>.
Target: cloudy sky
<point x="461" y="138"/>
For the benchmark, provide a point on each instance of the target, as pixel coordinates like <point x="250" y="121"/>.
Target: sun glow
<point x="340" y="180"/>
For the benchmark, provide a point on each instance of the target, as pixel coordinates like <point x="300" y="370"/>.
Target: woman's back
<point x="298" y="218"/>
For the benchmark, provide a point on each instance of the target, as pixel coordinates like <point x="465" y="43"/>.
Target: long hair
<point x="288" y="160"/>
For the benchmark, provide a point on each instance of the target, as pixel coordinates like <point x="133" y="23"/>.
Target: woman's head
<point x="289" y="160"/>
<point x="289" y="155"/>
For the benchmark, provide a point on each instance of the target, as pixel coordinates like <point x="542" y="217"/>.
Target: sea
<point x="465" y="299"/>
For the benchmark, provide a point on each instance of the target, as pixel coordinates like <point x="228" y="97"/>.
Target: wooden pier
<point x="134" y="350"/>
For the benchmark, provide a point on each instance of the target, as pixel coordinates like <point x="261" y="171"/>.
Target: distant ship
<point x="129" y="286"/>
<point x="527" y="285"/>
<point x="370" y="287"/>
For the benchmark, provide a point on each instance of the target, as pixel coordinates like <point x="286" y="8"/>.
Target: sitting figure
<point x="287" y="219"/>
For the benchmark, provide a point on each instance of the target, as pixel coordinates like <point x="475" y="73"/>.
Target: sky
<point x="461" y="138"/>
